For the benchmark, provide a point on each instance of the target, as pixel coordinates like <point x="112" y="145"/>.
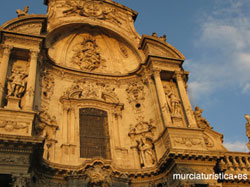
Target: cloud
<point x="236" y="146"/>
<point x="222" y="60"/>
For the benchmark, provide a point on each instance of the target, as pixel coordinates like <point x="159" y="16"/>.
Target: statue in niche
<point x="201" y="121"/>
<point x="87" y="56"/>
<point x="247" y="117"/>
<point x="146" y="151"/>
<point x="23" y="12"/>
<point x="17" y="82"/>
<point x="174" y="103"/>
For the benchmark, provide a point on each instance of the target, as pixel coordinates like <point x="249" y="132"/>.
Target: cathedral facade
<point x="86" y="101"/>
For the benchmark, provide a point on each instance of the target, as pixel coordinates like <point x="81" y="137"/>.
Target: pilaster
<point x="3" y="68"/>
<point x="31" y="80"/>
<point x="162" y="97"/>
<point x="185" y="100"/>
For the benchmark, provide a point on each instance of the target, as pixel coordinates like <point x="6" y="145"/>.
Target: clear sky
<point x="214" y="36"/>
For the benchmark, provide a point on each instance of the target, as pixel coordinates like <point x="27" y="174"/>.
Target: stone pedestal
<point x="177" y="121"/>
<point x="13" y="103"/>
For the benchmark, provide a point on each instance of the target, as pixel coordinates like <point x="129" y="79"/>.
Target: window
<point x="94" y="137"/>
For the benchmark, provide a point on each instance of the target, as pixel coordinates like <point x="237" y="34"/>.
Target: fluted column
<point x="185" y="100"/>
<point x="31" y="80"/>
<point x="3" y="68"/>
<point x="162" y="98"/>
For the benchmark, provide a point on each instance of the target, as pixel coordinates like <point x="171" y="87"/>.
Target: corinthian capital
<point x="34" y="53"/>
<point x="6" y="49"/>
<point x="178" y="75"/>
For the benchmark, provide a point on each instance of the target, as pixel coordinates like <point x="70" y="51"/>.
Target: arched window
<point x="94" y="136"/>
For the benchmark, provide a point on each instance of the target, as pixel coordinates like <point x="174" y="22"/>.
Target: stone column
<point x="4" y="68"/>
<point x="31" y="81"/>
<point x="185" y="100"/>
<point x="162" y="98"/>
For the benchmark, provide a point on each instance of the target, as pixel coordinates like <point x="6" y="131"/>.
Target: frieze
<point x="10" y="126"/>
<point x="187" y="141"/>
<point x="92" y="9"/>
<point x="14" y="160"/>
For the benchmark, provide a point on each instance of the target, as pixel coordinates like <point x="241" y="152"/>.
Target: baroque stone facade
<point x="86" y="101"/>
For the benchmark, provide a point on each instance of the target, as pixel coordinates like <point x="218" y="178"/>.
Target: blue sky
<point x="214" y="36"/>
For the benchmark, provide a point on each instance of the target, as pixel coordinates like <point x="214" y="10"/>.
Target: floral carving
<point x="93" y="9"/>
<point x="10" y="126"/>
<point x="201" y="121"/>
<point x="17" y="82"/>
<point x="87" y="55"/>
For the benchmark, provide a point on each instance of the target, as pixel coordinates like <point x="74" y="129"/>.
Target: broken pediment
<point x="89" y="49"/>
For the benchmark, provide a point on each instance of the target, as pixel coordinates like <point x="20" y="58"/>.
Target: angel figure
<point x="75" y="7"/>
<point x="23" y="12"/>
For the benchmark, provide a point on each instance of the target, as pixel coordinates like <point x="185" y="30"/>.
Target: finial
<point x="23" y="12"/>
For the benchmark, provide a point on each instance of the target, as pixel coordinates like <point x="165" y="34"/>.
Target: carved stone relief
<point x="87" y="55"/>
<point x="14" y="159"/>
<point x="136" y="95"/>
<point x="48" y="83"/>
<point x="93" y="9"/>
<point x="247" y="117"/>
<point x="10" y="126"/>
<point x="201" y="121"/>
<point x="187" y="141"/>
<point x="19" y="180"/>
<point x="89" y="89"/>
<point x="142" y="133"/>
<point x="29" y="28"/>
<point x="208" y="141"/>
<point x="98" y="175"/>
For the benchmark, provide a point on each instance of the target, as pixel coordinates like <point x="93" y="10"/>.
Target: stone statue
<point x="248" y="129"/>
<point x="174" y="103"/>
<point x="146" y="152"/>
<point x="22" y="12"/>
<point x="201" y="121"/>
<point x="17" y="83"/>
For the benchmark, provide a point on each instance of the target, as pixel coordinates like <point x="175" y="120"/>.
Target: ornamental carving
<point x="98" y="175"/>
<point x="20" y="180"/>
<point x="87" y="55"/>
<point x="88" y="89"/>
<point x="201" y="121"/>
<point x="143" y="133"/>
<point x="14" y="160"/>
<point x="136" y="94"/>
<point x="187" y="141"/>
<point x="48" y="83"/>
<point x="10" y="126"/>
<point x="17" y="82"/>
<point x="23" y="12"/>
<point x="208" y="141"/>
<point x="92" y="9"/>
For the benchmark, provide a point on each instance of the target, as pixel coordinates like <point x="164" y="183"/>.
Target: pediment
<point x="95" y="50"/>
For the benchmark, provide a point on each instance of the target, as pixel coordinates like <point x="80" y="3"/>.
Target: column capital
<point x="34" y="53"/>
<point x="7" y="48"/>
<point x="156" y="71"/>
<point x="178" y="75"/>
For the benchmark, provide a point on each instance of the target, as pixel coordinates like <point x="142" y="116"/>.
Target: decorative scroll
<point x="187" y="141"/>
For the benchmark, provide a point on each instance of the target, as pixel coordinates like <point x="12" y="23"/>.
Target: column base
<point x="13" y="103"/>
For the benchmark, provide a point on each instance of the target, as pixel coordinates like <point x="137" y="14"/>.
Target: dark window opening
<point x="94" y="136"/>
<point x="5" y="180"/>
